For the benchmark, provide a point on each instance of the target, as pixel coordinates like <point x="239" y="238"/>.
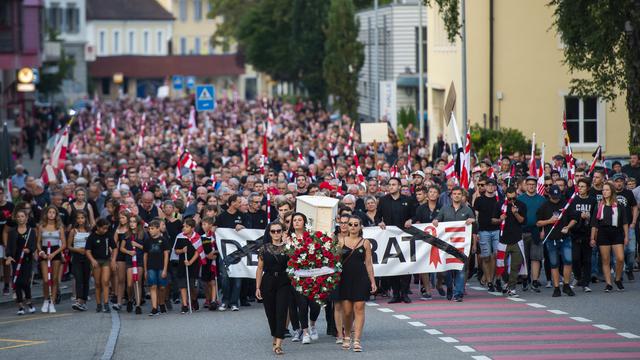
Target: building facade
<point x="516" y="79"/>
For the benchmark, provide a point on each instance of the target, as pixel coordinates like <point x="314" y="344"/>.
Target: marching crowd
<point x="135" y="197"/>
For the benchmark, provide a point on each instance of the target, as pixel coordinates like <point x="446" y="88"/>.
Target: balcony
<point x="52" y="51"/>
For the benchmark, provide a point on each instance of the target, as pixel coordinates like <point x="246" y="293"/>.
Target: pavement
<point x="485" y="326"/>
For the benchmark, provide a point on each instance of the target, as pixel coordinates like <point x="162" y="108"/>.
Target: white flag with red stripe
<point x="465" y="169"/>
<point x="350" y="142"/>
<point x="540" y="183"/>
<point x="359" y="175"/>
<point x="196" y="241"/>
<point x="502" y="265"/>
<point x="59" y="155"/>
<point x="450" y="170"/>
<point x="193" y="127"/>
<point x="114" y="130"/>
<point x="98" y="129"/>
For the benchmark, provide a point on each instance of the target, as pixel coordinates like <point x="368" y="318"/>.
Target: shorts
<point x="488" y="242"/>
<point x="610" y="235"/>
<point x="154" y="278"/>
<point x="103" y="262"/>
<point x="208" y="274"/>
<point x="53" y="249"/>
<point x="536" y="252"/>
<point x="557" y="248"/>
<point x="182" y="282"/>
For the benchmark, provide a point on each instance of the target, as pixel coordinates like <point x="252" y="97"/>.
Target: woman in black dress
<point x="272" y="283"/>
<point x="21" y="245"/>
<point x="357" y="281"/>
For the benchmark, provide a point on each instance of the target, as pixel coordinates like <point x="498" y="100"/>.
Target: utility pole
<point x="376" y="84"/>
<point x="464" y="69"/>
<point x="420" y="73"/>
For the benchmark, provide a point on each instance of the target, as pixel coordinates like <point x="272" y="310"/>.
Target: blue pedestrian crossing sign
<point x="205" y="98"/>
<point x="191" y="82"/>
<point x="177" y="82"/>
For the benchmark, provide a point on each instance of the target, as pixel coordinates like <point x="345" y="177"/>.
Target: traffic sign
<point x="205" y="97"/>
<point x="177" y="82"/>
<point x="36" y="75"/>
<point x="191" y="82"/>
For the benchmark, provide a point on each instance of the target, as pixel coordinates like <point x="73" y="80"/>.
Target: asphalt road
<point x="484" y="326"/>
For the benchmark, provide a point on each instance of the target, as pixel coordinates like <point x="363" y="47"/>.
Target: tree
<point x="344" y="56"/>
<point x="232" y="11"/>
<point x="52" y="74"/>
<point x="602" y="38"/>
<point x="449" y="10"/>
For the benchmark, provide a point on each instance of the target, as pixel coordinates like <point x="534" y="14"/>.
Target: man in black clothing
<point x="489" y="232"/>
<point x="632" y="169"/>
<point x="582" y="206"/>
<point x="511" y="236"/>
<point x="147" y="209"/>
<point x="256" y="217"/>
<point x="625" y="197"/>
<point x="232" y="217"/>
<point x="396" y="209"/>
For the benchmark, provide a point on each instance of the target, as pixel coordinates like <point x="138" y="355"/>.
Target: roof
<point x="126" y="10"/>
<point x="134" y="66"/>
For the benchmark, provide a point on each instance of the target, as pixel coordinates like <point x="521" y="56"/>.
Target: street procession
<point x="290" y="197"/>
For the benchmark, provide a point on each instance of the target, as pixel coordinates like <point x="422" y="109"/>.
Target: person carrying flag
<point x="133" y="247"/>
<point x="21" y="245"/>
<point x="187" y="271"/>
<point x="101" y="250"/>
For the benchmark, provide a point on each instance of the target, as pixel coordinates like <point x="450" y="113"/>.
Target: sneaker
<point x="457" y="298"/>
<point x="306" y="339"/>
<point x="548" y="286"/>
<point x="619" y="285"/>
<point x="574" y="282"/>
<point x="163" y="309"/>
<point x="394" y="300"/>
<point x="568" y="290"/>
<point x="608" y="288"/>
<point x="556" y="292"/>
<point x="222" y="307"/>
<point x="213" y="306"/>
<point x="512" y="293"/>
<point x="586" y="289"/>
<point x="491" y="288"/>
<point x="138" y="310"/>
<point x="426" y="296"/>
<point x="5" y="290"/>
<point x="195" y="306"/>
<point x="154" y="312"/>
<point x="313" y="333"/>
<point x="184" y="310"/>
<point x="535" y="286"/>
<point x="235" y="308"/>
<point x="32" y="309"/>
<point x="116" y="307"/>
<point x="630" y="275"/>
<point x="76" y="306"/>
<point x="129" y="306"/>
<point x="449" y="293"/>
<point x="52" y="309"/>
<point x="594" y="280"/>
<point x="45" y="306"/>
<point x="441" y="291"/>
<point x="206" y="304"/>
<point x="99" y="308"/>
<point x="499" y="286"/>
<point x="297" y="336"/>
<point x="106" y="309"/>
<point x="20" y="311"/>
<point x="406" y="299"/>
<point x="525" y="285"/>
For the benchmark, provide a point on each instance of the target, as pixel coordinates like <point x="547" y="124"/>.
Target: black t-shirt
<point x="173" y="229"/>
<point x="181" y="242"/>
<point x="485" y="206"/>
<point x="633" y="172"/>
<point x="512" y="228"/>
<point x="395" y="212"/>
<point x="227" y="220"/>
<point x="155" y="248"/>
<point x="6" y="211"/>
<point x="547" y="210"/>
<point x="578" y="206"/>
<point x="596" y="193"/>
<point x="424" y="214"/>
<point x="256" y="220"/>
<point x="607" y="217"/>
<point x="626" y="198"/>
<point x="100" y="245"/>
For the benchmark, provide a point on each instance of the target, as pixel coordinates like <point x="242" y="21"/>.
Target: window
<point x="183" y="10"/>
<point x="73" y="19"/>
<point x="197" y="12"/>
<point x="55" y="17"/>
<point x="183" y="46"/>
<point x="116" y="42"/>
<point x="101" y="42"/>
<point x="196" y="46"/>
<point x="424" y="49"/>
<point x="145" y="42"/>
<point x="582" y="119"/>
<point x="159" y="43"/>
<point x="131" y="42"/>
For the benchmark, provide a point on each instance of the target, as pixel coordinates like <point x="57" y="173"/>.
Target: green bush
<point x="407" y="116"/>
<point x="486" y="142"/>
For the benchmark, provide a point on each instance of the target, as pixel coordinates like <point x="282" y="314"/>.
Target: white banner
<point x="395" y="252"/>
<point x="387" y="104"/>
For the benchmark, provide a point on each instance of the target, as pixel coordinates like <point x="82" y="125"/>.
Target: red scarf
<point x="614" y="208"/>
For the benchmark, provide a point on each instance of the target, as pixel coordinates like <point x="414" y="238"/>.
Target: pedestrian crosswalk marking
<point x="465" y="348"/>
<point x="401" y="317"/>
<point x="386" y="310"/>
<point x="629" y="335"/>
<point x="371" y="303"/>
<point x="204" y="95"/>
<point x="481" y="357"/>
<point x="557" y="312"/>
<point x="517" y="299"/>
<point x="536" y="305"/>
<point x="580" y="319"/>
<point x="604" y="327"/>
<point x="479" y="288"/>
<point x="416" y="323"/>
<point x="433" y="332"/>
<point x="448" y="339"/>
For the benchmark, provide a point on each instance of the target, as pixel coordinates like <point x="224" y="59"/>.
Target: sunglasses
<point x="511" y="198"/>
<point x="482" y="184"/>
<point x="354" y="224"/>
<point x="275" y="231"/>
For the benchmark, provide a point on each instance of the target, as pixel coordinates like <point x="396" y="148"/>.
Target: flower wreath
<point x="314" y="265"/>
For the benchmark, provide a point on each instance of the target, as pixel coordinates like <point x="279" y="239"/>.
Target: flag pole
<point x="188" y="287"/>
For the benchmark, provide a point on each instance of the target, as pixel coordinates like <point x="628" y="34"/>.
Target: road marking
<point x="481" y="357"/>
<point x="604" y="327"/>
<point x="516" y="299"/>
<point x="20" y="343"/>
<point x="448" y="339"/>
<point x="557" y="312"/>
<point x="35" y="318"/>
<point x="465" y="348"/>
<point x="385" y="310"/>
<point x="110" y="347"/>
<point x="536" y="305"/>
<point x="371" y="303"/>
<point x="416" y="323"/>
<point x="629" y="335"/>
<point x="495" y="293"/>
<point x="401" y="317"/>
<point x="479" y="288"/>
<point x="579" y="319"/>
<point x="433" y="332"/>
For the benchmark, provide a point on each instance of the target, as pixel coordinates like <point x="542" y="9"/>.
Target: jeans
<point x="456" y="279"/>
<point x="230" y="288"/>
<point x="630" y="251"/>
<point x="488" y="242"/>
<point x="557" y="248"/>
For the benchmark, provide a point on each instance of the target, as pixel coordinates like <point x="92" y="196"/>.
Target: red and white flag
<point x="16" y="273"/>
<point x="597" y="156"/>
<point x="196" y="241"/>
<point x="245" y="151"/>
<point x="268" y="206"/>
<point x="98" y="128"/>
<point x="359" y="175"/>
<point x="502" y="266"/>
<point x="140" y="139"/>
<point x="465" y="169"/>
<point x="540" y="174"/>
<point x="187" y="161"/>
<point x="450" y="170"/>
<point x="114" y="130"/>
<point x="350" y="142"/>
<point x="269" y="125"/>
<point x="301" y="158"/>
<point x="49" y="268"/>
<point x="455" y="233"/>
<point x="532" y="162"/>
<point x="134" y="263"/>
<point x="193" y="127"/>
<point x="409" y="165"/>
<point x="59" y="155"/>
